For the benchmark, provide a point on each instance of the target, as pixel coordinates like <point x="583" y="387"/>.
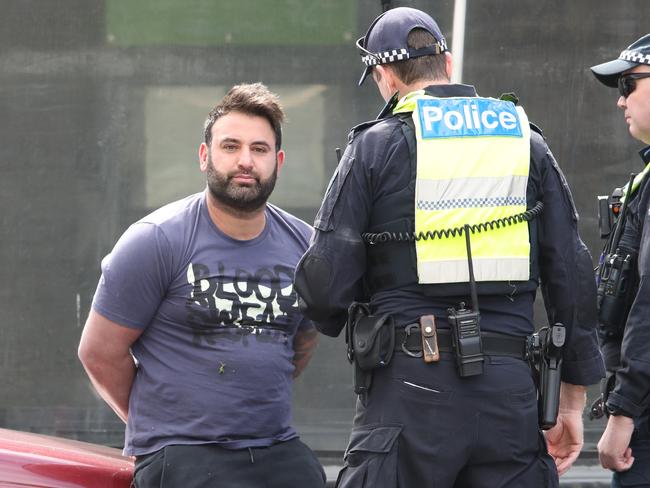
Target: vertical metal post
<point x="458" y="40"/>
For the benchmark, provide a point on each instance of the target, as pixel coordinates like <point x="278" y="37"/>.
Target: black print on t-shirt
<point x="251" y="302"/>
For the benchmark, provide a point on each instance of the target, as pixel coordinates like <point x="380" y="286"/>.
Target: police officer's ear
<point x="386" y="80"/>
<point x="377" y="73"/>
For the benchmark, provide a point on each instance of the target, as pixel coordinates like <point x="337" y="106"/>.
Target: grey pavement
<point x="579" y="476"/>
<point x="586" y="477"/>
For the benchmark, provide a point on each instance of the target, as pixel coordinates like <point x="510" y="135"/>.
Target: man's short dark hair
<point x="424" y="67"/>
<point x="250" y="99"/>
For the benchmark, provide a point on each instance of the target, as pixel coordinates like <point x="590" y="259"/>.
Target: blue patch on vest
<point x="467" y="117"/>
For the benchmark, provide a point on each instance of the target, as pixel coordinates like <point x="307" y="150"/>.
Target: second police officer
<point x="625" y="298"/>
<point x="448" y="399"/>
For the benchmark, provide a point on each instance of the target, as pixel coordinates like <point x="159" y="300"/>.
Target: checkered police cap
<point x="386" y="39"/>
<point x="636" y="53"/>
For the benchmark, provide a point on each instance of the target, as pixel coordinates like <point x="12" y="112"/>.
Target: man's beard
<point x="241" y="198"/>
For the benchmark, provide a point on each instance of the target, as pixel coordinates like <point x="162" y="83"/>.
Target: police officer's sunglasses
<point x="627" y="83"/>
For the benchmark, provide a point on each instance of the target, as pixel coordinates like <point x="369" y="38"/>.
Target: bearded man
<point x="195" y="336"/>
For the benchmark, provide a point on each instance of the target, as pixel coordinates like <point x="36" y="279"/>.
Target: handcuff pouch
<point x="374" y="341"/>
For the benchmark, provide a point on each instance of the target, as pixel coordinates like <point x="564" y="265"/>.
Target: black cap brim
<point x="608" y="73"/>
<point x="366" y="72"/>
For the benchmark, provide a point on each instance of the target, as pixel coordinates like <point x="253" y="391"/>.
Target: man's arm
<point x="566" y="272"/>
<point x="304" y="344"/>
<point x="104" y="351"/>
<point x="565" y="439"/>
<point x="329" y="276"/>
<point x="632" y="382"/>
<point x="569" y="291"/>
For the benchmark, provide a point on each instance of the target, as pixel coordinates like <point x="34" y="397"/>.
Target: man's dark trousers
<point x="289" y="464"/>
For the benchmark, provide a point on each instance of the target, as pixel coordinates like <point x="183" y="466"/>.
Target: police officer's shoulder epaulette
<point x="385" y="112"/>
<point x="357" y="129"/>
<point x="510" y="97"/>
<point x="536" y="129"/>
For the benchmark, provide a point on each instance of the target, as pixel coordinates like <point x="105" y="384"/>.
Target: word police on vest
<point x="463" y="117"/>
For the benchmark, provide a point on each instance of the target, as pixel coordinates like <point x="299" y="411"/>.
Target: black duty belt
<point x="409" y="341"/>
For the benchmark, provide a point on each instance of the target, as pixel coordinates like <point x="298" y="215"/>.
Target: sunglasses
<point x="627" y="83"/>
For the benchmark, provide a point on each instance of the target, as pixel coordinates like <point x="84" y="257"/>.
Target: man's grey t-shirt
<point x="219" y="317"/>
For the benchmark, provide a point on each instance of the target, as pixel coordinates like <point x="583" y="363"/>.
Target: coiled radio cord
<point x="379" y="237"/>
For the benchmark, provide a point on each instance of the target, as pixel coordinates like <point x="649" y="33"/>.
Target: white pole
<point x="458" y="38"/>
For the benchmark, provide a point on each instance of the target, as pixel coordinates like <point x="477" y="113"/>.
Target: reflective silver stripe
<point x="470" y="203"/>
<point x="472" y="188"/>
<point x="488" y="269"/>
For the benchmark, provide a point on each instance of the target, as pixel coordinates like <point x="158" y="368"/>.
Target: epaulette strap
<point x="536" y="129"/>
<point x="386" y="111"/>
<point x="510" y="97"/>
<point x="360" y="128"/>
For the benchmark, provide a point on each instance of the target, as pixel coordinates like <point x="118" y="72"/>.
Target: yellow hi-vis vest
<point x="473" y="157"/>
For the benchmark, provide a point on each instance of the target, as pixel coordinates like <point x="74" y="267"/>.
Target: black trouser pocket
<point x="371" y="457"/>
<point x="149" y="470"/>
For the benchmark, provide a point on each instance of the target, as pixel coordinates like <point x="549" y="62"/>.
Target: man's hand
<point x="565" y="439"/>
<point x="614" y="446"/>
<point x="304" y="344"/>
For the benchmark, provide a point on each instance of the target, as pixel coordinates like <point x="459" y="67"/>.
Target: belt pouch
<point x="429" y="339"/>
<point x="374" y="341"/>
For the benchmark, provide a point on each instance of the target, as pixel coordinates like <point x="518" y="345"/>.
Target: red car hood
<point x="42" y="461"/>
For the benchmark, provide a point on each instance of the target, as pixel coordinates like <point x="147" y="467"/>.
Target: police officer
<point x="439" y="157"/>
<point x="625" y="444"/>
